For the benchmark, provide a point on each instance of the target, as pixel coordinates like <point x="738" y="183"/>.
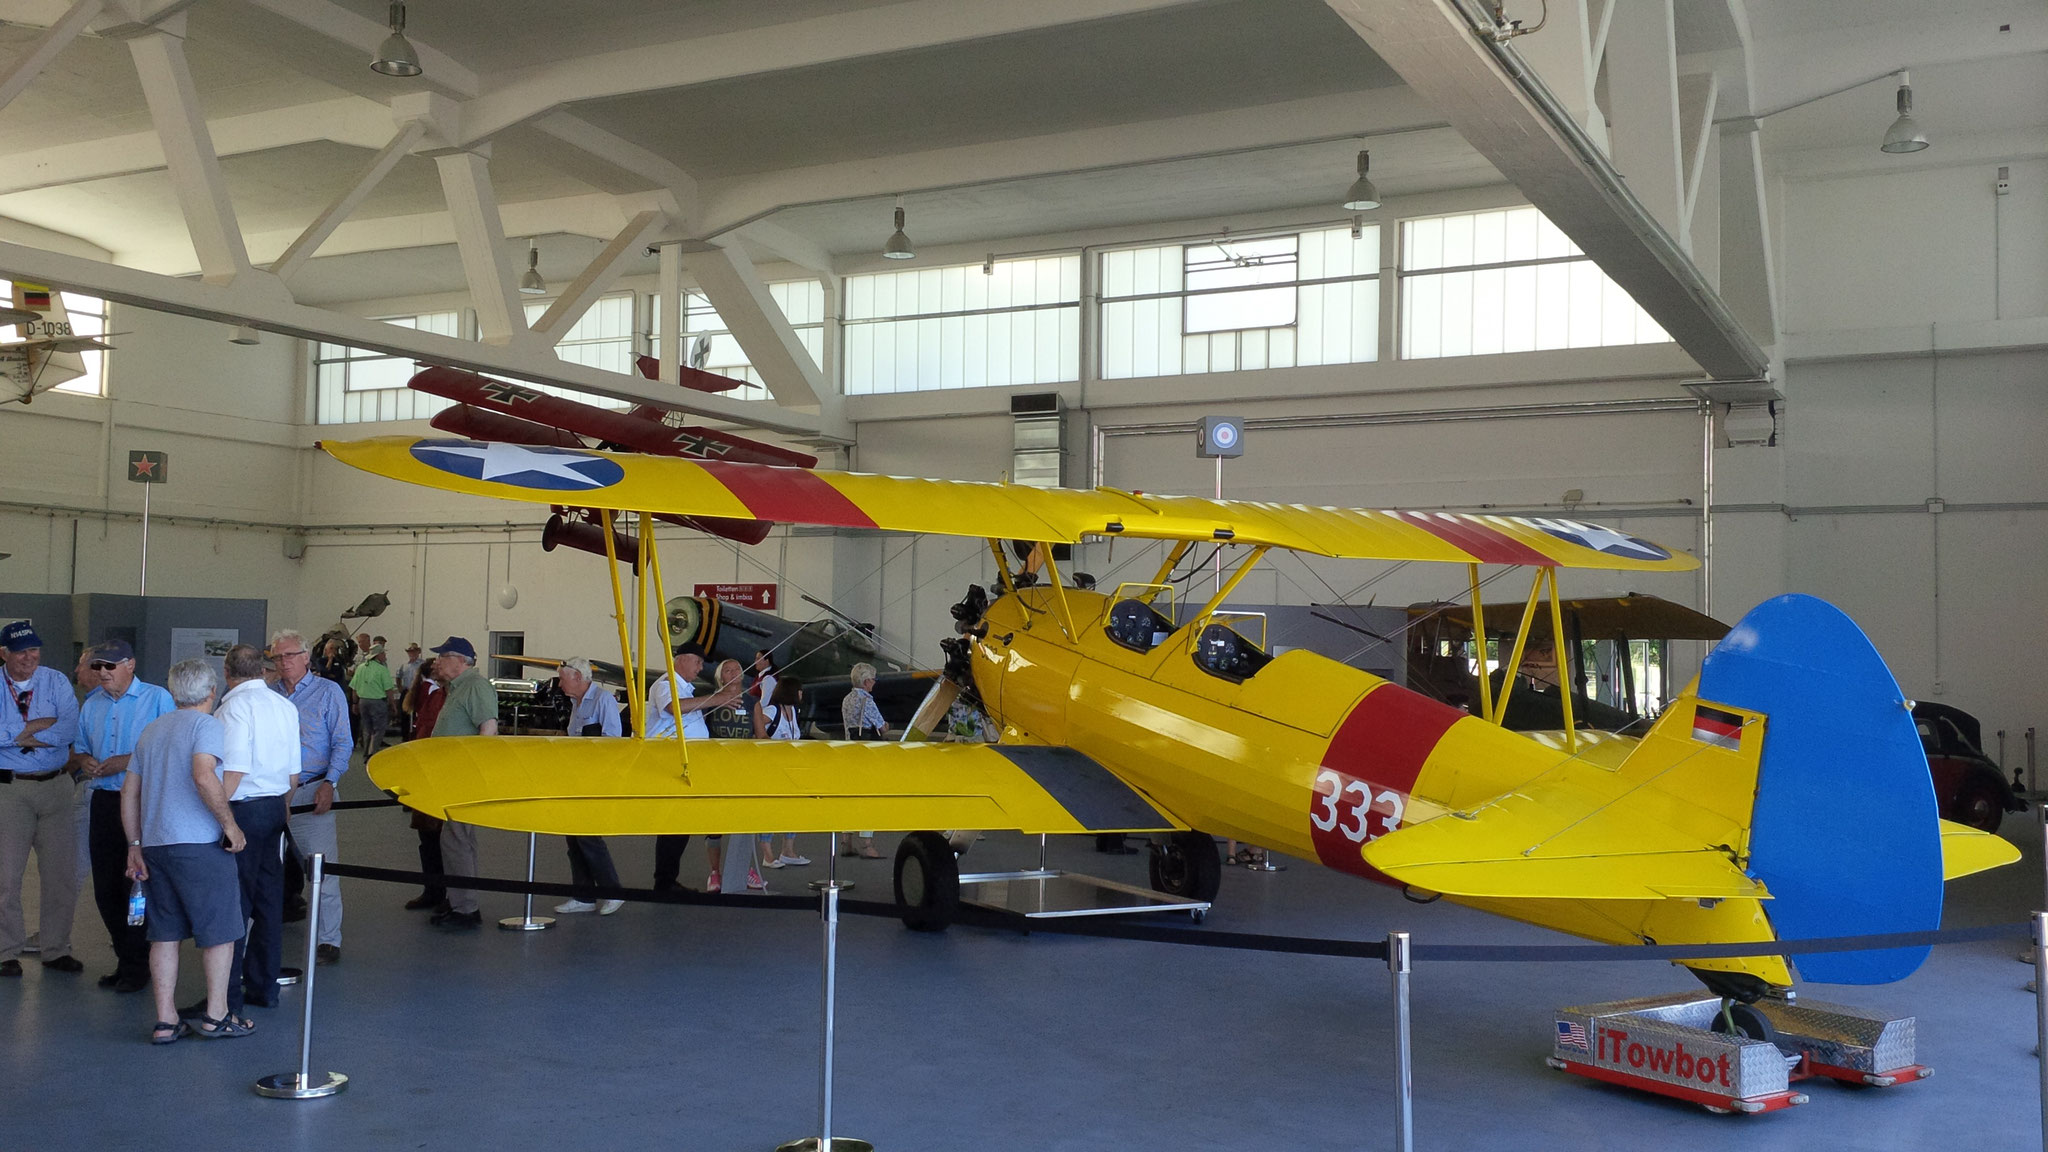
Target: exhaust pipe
<point x="586" y="537"/>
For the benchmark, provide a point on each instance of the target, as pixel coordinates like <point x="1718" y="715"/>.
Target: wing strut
<point x="633" y="683"/>
<point x="1479" y="642"/>
<point x="1567" y="676"/>
<point x="668" y="654"/>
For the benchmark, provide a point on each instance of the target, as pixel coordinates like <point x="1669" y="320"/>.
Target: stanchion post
<point x="824" y="1141"/>
<point x="300" y="1085"/>
<point x="529" y="922"/>
<point x="1404" y="1067"/>
<point x="2041" y="1013"/>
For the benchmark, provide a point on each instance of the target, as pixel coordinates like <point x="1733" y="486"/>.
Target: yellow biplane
<point x="1784" y="796"/>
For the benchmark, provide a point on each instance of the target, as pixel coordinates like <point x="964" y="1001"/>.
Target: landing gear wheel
<point x="1746" y="1021"/>
<point x="927" y="882"/>
<point x="1187" y="866"/>
<point x="1198" y="914"/>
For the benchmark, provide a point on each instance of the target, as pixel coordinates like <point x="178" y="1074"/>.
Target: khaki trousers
<point x="38" y="814"/>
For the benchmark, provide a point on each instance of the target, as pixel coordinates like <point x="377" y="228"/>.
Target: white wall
<point x="226" y="415"/>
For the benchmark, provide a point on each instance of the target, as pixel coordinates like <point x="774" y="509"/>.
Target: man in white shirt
<point x="262" y="743"/>
<point x="660" y="721"/>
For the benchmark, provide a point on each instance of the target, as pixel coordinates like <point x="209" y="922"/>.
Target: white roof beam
<point x="625" y="155"/>
<point x="480" y="237"/>
<point x="1567" y="58"/>
<point x="438" y="70"/>
<point x="873" y="31"/>
<point x="188" y="149"/>
<point x="349" y="120"/>
<point x="801" y="251"/>
<point x="1496" y="102"/>
<point x="1642" y="91"/>
<point x="1748" y="281"/>
<point x="247" y="302"/>
<point x="30" y="64"/>
<point x="599" y="276"/>
<point x="729" y="204"/>
<point x="1697" y="96"/>
<point x="295" y="256"/>
<point x="728" y="279"/>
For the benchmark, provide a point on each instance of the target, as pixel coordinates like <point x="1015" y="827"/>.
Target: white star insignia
<point x="500" y="460"/>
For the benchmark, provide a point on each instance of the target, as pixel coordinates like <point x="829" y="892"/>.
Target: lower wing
<point x="577" y="786"/>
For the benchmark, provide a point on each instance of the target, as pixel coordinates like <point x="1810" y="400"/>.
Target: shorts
<point x="194" y="891"/>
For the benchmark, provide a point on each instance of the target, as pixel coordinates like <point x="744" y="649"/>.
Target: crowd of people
<point x="193" y="807"/>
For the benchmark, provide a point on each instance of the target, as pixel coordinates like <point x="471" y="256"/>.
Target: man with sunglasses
<point x="38" y="722"/>
<point x="109" y="722"/>
<point x="325" y="745"/>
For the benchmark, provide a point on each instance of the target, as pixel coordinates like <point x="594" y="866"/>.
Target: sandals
<point x="229" y="1026"/>
<point x="167" y="1032"/>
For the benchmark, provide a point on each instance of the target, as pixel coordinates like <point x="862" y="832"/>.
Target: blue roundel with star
<point x="1597" y="538"/>
<point x="520" y="465"/>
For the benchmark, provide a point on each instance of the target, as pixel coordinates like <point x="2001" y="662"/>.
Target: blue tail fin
<point x="1845" y="831"/>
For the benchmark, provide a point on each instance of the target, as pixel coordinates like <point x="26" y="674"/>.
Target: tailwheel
<point x="927" y="882"/>
<point x="1745" y="1020"/>
<point x="1187" y="866"/>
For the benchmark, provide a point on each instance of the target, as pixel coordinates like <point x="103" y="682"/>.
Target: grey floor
<point x="697" y="1028"/>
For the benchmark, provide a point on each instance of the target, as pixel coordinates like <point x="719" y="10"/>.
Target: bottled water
<point x="136" y="904"/>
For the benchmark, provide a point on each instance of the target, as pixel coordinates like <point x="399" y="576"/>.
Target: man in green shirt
<point x="471" y="710"/>
<point x="374" y="689"/>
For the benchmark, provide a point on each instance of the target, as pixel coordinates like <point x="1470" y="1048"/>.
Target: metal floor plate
<point x="1043" y="895"/>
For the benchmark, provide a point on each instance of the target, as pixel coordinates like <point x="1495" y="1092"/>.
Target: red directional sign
<point x="760" y="596"/>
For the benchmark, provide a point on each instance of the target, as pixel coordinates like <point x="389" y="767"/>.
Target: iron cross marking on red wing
<point x="507" y="393"/>
<point x="693" y="444"/>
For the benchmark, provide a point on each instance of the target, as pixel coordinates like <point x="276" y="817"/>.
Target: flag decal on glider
<point x="520" y="465"/>
<point x="1713" y="726"/>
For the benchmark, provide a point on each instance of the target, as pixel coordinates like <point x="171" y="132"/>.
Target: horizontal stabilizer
<point x="1697" y="875"/>
<point x="1668" y="822"/>
<point x="1966" y="850"/>
<point x="589" y="786"/>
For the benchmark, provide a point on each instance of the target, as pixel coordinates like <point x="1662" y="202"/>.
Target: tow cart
<point x="1670" y="1045"/>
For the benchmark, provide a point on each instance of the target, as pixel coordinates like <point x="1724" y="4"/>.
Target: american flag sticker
<point x="1572" y="1034"/>
<point x="1712" y="726"/>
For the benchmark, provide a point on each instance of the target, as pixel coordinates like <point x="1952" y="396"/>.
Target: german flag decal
<point x="1711" y="725"/>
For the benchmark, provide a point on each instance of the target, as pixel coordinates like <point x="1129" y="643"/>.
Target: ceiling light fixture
<point x="531" y="284"/>
<point x="396" y="57"/>
<point x="1904" y="135"/>
<point x="898" y="247"/>
<point x="1362" y="196"/>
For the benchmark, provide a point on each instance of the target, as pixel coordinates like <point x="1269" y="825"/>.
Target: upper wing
<point x="543" y="475"/>
<point x="579" y="786"/>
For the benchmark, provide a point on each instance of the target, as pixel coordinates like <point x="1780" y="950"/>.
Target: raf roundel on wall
<point x="1597" y="538"/>
<point x="520" y="465"/>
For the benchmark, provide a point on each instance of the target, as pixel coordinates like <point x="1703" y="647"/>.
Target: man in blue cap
<point x="109" y="721"/>
<point x="471" y="710"/>
<point x="37" y="725"/>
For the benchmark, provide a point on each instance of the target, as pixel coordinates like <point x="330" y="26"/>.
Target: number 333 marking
<point x="1347" y="806"/>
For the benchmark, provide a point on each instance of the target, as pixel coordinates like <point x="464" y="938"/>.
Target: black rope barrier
<point x="345" y="805"/>
<point x="973" y="916"/>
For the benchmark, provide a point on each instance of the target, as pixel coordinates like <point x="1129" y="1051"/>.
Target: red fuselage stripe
<point x="1389" y="736"/>
<point x="788" y="494"/>
<point x="1485" y="544"/>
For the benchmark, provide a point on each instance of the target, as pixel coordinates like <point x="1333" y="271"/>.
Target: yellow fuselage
<point x="1307" y="756"/>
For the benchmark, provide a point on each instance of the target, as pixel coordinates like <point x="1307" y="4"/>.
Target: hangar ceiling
<point x="995" y="119"/>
